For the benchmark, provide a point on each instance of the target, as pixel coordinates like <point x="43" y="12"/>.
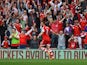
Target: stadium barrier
<point x="38" y="54"/>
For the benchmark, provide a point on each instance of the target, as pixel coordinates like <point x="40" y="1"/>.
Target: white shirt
<point x="56" y="5"/>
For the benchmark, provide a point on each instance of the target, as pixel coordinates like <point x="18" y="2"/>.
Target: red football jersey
<point x="23" y="39"/>
<point x="72" y="45"/>
<point x="60" y="25"/>
<point x="18" y="27"/>
<point x="45" y="35"/>
<point x="54" y="27"/>
<point x="72" y="8"/>
<point x="83" y="23"/>
<point x="5" y="44"/>
<point x="76" y="30"/>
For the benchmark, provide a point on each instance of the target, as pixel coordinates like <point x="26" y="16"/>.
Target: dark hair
<point x="14" y="29"/>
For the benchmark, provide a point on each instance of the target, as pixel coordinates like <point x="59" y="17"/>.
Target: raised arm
<point x="53" y="32"/>
<point x="51" y="3"/>
<point x="29" y="31"/>
<point x="62" y="19"/>
<point x="42" y="31"/>
<point x="60" y="3"/>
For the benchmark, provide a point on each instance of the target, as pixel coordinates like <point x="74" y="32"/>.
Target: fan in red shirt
<point x="83" y="23"/>
<point x="72" y="43"/>
<point x="60" y="22"/>
<point x="76" y="28"/>
<point x="6" y="42"/>
<point x="27" y="29"/>
<point x="17" y="25"/>
<point x="72" y="7"/>
<point x="57" y="25"/>
<point x="54" y="26"/>
<point x="46" y="40"/>
<point x="23" y="38"/>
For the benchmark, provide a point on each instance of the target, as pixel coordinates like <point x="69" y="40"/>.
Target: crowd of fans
<point x="20" y="23"/>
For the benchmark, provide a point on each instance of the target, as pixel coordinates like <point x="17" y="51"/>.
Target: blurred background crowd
<point x="66" y="18"/>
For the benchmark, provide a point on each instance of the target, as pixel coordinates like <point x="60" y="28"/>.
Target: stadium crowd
<point x="20" y="23"/>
